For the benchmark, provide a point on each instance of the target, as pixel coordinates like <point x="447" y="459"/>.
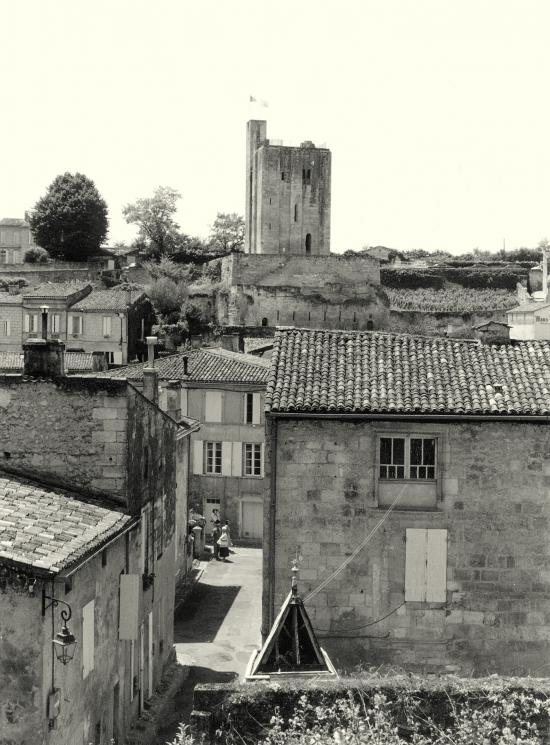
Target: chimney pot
<point x="151" y="341"/>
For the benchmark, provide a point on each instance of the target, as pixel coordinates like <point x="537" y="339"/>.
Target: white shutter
<point x="8" y="328"/>
<point x="88" y="638"/>
<point x="262" y="451"/>
<point x="128" y="607"/>
<point x="237" y="466"/>
<point x="213" y="406"/>
<point x="26" y="323"/>
<point x="227" y="454"/>
<point x="198" y="459"/>
<point x="436" y="578"/>
<point x="256" y="404"/>
<point x="132" y="669"/>
<point x="415" y="564"/>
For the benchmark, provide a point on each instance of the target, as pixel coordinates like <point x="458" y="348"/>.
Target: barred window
<point x="408" y="457"/>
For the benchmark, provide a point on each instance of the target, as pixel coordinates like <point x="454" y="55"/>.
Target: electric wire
<point x="356" y="551"/>
<point x="364" y="625"/>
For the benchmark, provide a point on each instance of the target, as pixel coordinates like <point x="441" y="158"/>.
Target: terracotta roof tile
<point x="12" y="362"/>
<point x="374" y="372"/>
<point x="208" y="365"/>
<point x="50" y="528"/>
<point x="108" y="300"/>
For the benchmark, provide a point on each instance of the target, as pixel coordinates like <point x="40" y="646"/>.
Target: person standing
<point x="216" y="533"/>
<point x="224" y="542"/>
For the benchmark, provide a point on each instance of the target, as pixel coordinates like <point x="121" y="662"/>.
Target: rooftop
<point x="75" y="362"/>
<point x="251" y="343"/>
<point x="529" y="307"/>
<point x="48" y="528"/>
<point x="9" y="299"/>
<point x="55" y="289"/>
<point x="346" y="372"/>
<point x="207" y="365"/>
<point x="14" y="222"/>
<point x="108" y="300"/>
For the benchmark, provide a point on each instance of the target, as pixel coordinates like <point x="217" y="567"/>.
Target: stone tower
<point x="287" y="196"/>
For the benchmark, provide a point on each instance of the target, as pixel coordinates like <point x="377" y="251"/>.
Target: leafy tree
<point x="36" y="255"/>
<point x="70" y="220"/>
<point x="154" y="216"/>
<point x="227" y="233"/>
<point x="167" y="297"/>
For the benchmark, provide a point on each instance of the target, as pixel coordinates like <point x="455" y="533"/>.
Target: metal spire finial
<point x="294" y="581"/>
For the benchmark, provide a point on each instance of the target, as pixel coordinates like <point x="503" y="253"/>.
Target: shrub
<point x="36" y="255"/>
<point x="166" y="295"/>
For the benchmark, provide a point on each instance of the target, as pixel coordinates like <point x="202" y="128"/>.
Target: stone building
<point x="224" y="390"/>
<point x="114" y="322"/>
<point x="15" y="240"/>
<point x="91" y="501"/>
<point x="430" y="457"/>
<point x="287" y="196"/>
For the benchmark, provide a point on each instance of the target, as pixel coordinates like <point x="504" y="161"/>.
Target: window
<point x="6" y="328"/>
<point x="56" y="323"/>
<point x="213" y="406"/>
<point x="106" y="325"/>
<point x="308" y="243"/>
<point x="264" y="321"/>
<point x="76" y="325"/>
<point x="407" y="457"/>
<point x="252" y="404"/>
<point x="426" y="565"/>
<point x="88" y="638"/>
<point x="3" y="256"/>
<point x="283" y="176"/>
<point x="213" y="462"/>
<point x="252" y="459"/>
<point x="306" y="176"/>
<point x="147" y="539"/>
<point x="295" y="213"/>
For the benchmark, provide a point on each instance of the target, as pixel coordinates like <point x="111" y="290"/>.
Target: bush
<point x="36" y="255"/>
<point x="167" y="296"/>
<point x="479" y="276"/>
<point x="411" y="279"/>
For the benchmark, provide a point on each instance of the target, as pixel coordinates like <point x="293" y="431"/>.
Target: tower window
<point x="308" y="243"/>
<point x="264" y="321"/>
<point x="295" y="213"/>
<point x="270" y="226"/>
<point x="306" y="176"/>
<point x="283" y="176"/>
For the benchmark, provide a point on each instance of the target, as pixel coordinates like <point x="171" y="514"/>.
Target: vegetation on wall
<point x="451" y="300"/>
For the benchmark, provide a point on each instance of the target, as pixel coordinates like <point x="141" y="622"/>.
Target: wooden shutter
<point x="227" y="456"/>
<point x="143" y="538"/>
<point x="129" y="602"/>
<point x="426" y="565"/>
<point x="262" y="451"/>
<point x="256" y="408"/>
<point x="8" y="328"/>
<point x="213" y="406"/>
<point x="237" y="465"/>
<point x="132" y="669"/>
<point x="436" y="577"/>
<point x="198" y="458"/>
<point x="88" y="638"/>
<point x="26" y="323"/>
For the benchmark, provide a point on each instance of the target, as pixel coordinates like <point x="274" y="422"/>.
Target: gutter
<point x="533" y="418"/>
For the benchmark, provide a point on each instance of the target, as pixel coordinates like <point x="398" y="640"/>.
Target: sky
<point x="436" y="111"/>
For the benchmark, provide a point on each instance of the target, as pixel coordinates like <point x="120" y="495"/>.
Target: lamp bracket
<point x="65" y="614"/>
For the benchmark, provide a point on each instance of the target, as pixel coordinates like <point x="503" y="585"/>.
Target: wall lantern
<point x="64" y="643"/>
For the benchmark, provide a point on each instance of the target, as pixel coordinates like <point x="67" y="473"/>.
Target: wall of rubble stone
<point x="495" y="504"/>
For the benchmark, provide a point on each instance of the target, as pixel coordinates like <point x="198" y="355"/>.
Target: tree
<point x="227" y="233"/>
<point x="70" y="220"/>
<point x="154" y="217"/>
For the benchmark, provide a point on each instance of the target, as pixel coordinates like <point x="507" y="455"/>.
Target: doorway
<point x="308" y="243"/>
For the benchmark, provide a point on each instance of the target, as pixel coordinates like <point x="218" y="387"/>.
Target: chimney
<point x="230" y="342"/>
<point x="44" y="314"/>
<point x="99" y="361"/>
<point x="173" y="399"/>
<point x="150" y="374"/>
<point x="186" y="365"/>
<point x="196" y="341"/>
<point x="44" y="358"/>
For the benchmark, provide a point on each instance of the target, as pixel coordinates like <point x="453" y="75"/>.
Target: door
<point x="252" y="520"/>
<point x="150" y="656"/>
<point x="141" y="667"/>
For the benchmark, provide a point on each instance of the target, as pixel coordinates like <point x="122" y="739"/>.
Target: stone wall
<point x="35" y="274"/>
<point x="72" y="432"/>
<point x="433" y="324"/>
<point x="494" y="503"/>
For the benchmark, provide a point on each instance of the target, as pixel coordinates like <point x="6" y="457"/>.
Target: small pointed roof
<point x="291" y="646"/>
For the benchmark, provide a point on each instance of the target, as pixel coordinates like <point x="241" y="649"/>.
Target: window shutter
<point x="227" y="452"/>
<point x="415" y="564"/>
<point x="8" y="328"/>
<point x="237" y="466"/>
<point x="129" y="600"/>
<point x="436" y="579"/>
<point x="198" y="460"/>
<point x="132" y="669"/>
<point x="88" y="638"/>
<point x="26" y="323"/>
<point x="256" y="404"/>
<point x="262" y="450"/>
<point x="213" y="406"/>
<point x="143" y="537"/>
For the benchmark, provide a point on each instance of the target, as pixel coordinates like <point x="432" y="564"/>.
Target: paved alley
<point x="218" y="627"/>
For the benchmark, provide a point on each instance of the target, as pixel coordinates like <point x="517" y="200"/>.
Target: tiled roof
<point x="7" y="299"/>
<point x="372" y="372"/>
<point x="114" y="300"/>
<point x="55" y="289"/>
<point x="12" y="362"/>
<point x="50" y="528"/>
<point x="527" y="307"/>
<point x="252" y="343"/>
<point x="14" y="222"/>
<point x="209" y="365"/>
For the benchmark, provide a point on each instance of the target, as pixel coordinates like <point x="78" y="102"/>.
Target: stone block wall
<point x="494" y="503"/>
<point x="73" y="432"/>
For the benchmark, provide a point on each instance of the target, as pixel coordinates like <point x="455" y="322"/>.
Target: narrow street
<point x="218" y="627"/>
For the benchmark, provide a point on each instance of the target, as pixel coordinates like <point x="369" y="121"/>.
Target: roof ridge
<point x="379" y="332"/>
